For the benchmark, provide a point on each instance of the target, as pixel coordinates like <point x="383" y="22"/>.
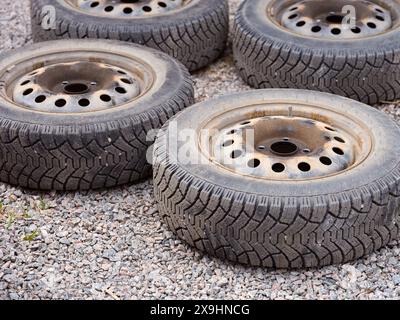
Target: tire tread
<point x="195" y="43"/>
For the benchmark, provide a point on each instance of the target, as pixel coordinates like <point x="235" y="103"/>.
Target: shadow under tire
<point x="78" y="114"/>
<point x="279" y="44"/>
<point x="333" y="199"/>
<point x="195" y="34"/>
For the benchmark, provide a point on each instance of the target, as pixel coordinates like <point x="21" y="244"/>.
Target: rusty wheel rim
<point x="76" y="83"/>
<point x="128" y="8"/>
<point x="342" y="19"/>
<point x="286" y="142"/>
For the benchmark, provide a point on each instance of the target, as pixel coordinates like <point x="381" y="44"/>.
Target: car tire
<point x="78" y="114"/>
<point x="274" y="50"/>
<point x="321" y="209"/>
<point x="195" y="34"/>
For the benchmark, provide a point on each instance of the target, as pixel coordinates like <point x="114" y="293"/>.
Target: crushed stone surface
<point x="113" y="245"/>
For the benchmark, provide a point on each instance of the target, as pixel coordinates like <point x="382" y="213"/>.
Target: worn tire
<point x="195" y="35"/>
<point x="281" y="224"/>
<point x="88" y="150"/>
<point x="268" y="56"/>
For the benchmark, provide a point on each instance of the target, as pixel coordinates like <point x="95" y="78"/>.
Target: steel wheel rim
<point x="128" y="8"/>
<point x="331" y="20"/>
<point x="77" y="83"/>
<point x="285" y="142"/>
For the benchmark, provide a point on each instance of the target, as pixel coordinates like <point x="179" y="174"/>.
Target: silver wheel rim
<point x="278" y="146"/>
<point x="128" y="8"/>
<point x="76" y="87"/>
<point x="333" y="19"/>
<point x="75" y="82"/>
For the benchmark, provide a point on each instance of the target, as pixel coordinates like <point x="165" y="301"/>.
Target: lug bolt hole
<point x="120" y="90"/>
<point x="40" y="99"/>
<point x="236" y="154"/>
<point x="338" y="151"/>
<point x="228" y="143"/>
<point x="278" y="167"/>
<point x="316" y="29"/>
<point x="127" y="81"/>
<point x="60" y="103"/>
<point x="27" y="92"/>
<point x="338" y="139"/>
<point x="326" y="161"/>
<point x="105" y="98"/>
<point x="84" y="102"/>
<point x="254" y="163"/>
<point x="304" y="166"/>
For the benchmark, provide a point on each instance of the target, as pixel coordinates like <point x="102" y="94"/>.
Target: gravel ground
<point x="112" y="244"/>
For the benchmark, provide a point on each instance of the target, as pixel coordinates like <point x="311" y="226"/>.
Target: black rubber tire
<point x="282" y="224"/>
<point x="99" y="149"/>
<point x="195" y="35"/>
<point x="268" y="56"/>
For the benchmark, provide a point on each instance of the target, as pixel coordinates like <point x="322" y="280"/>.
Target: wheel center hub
<point x="76" y="88"/>
<point x="335" y="18"/>
<point x="284" y="148"/>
